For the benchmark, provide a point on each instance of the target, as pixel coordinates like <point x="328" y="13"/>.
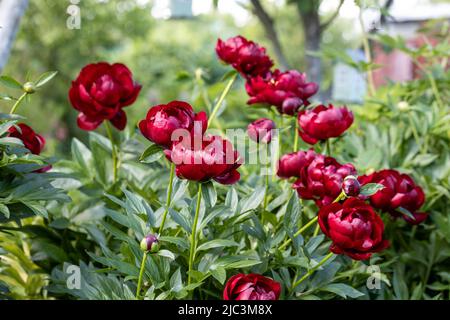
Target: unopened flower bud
<point x="29" y="87"/>
<point x="403" y="106"/>
<point x="150" y="243"/>
<point x="351" y="186"/>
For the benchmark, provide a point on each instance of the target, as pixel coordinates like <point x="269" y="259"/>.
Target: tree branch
<point x="271" y="33"/>
<point x="326" y="24"/>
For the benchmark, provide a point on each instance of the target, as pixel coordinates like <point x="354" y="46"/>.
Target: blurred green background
<point x="165" y="55"/>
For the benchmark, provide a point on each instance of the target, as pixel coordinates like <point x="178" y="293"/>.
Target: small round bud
<point x="351" y="186"/>
<point x="150" y="243"/>
<point x="403" y="106"/>
<point x="29" y="87"/>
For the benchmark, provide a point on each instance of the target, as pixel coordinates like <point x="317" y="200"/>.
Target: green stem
<point x="113" y="149"/>
<point x="316" y="230"/>
<point x="367" y="53"/>
<point x="310" y="223"/>
<point x="296" y="135"/>
<point x="266" y="195"/>
<point x="168" y="199"/>
<point x="18" y="103"/>
<point x="311" y="271"/>
<point x="141" y="274"/>
<point x="328" y="147"/>
<point x="193" y="244"/>
<point x="300" y="231"/>
<point x="221" y="98"/>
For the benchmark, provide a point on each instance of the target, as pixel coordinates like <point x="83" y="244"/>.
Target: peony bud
<point x="403" y="106"/>
<point x="261" y="130"/>
<point x="351" y="186"/>
<point x="150" y="243"/>
<point x="29" y="87"/>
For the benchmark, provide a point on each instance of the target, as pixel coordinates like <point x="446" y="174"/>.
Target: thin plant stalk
<point x="141" y="275"/>
<point x="309" y="224"/>
<point x="18" y="103"/>
<point x="367" y="53"/>
<point x="193" y="239"/>
<point x="296" y="135"/>
<point x="311" y="271"/>
<point x="221" y="98"/>
<point x="113" y="150"/>
<point x="168" y="198"/>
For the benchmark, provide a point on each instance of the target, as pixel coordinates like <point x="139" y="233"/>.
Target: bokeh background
<point x="169" y="45"/>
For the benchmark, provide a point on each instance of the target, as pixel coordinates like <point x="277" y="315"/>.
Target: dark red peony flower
<point x="100" y="92"/>
<point x="322" y="179"/>
<point x="261" y="130"/>
<point x="162" y="120"/>
<point x="291" y="164"/>
<point x="247" y="57"/>
<point x="323" y="122"/>
<point x="251" y="287"/>
<point x="354" y="227"/>
<point x="399" y="190"/>
<point x="31" y="140"/>
<point x="287" y="91"/>
<point x="209" y="158"/>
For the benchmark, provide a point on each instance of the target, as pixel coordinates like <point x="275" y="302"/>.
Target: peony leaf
<point x="45" y="77"/>
<point x="7" y="81"/>
<point x="151" y="154"/>
<point x="406" y="213"/>
<point x="370" y="189"/>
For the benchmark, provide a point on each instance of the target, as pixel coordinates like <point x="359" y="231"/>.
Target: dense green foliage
<point x="405" y="126"/>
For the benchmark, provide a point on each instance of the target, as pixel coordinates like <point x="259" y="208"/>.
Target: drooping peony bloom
<point x="323" y="122"/>
<point x="291" y="164"/>
<point x="150" y="243"/>
<point x="399" y="190"/>
<point x="211" y="158"/>
<point x="287" y="91"/>
<point x="31" y="140"/>
<point x="354" y="227"/>
<point x="251" y="287"/>
<point x="261" y="130"/>
<point x="322" y="179"/>
<point x="247" y="57"/>
<point x="100" y="92"/>
<point x="162" y="120"/>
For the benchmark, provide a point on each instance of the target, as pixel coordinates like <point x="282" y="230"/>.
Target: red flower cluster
<point x="213" y="159"/>
<point x="323" y="122"/>
<point x="261" y="130"/>
<point x="162" y="120"/>
<point x="287" y="91"/>
<point x="251" y="287"/>
<point x="291" y="164"/>
<point x="179" y="130"/>
<point x="354" y="228"/>
<point x="100" y="92"/>
<point x="319" y="177"/>
<point x="400" y="191"/>
<point x="247" y="57"/>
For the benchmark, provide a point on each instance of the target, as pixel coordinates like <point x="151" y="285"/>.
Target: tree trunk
<point x="271" y="33"/>
<point x="313" y="35"/>
<point x="11" y="11"/>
